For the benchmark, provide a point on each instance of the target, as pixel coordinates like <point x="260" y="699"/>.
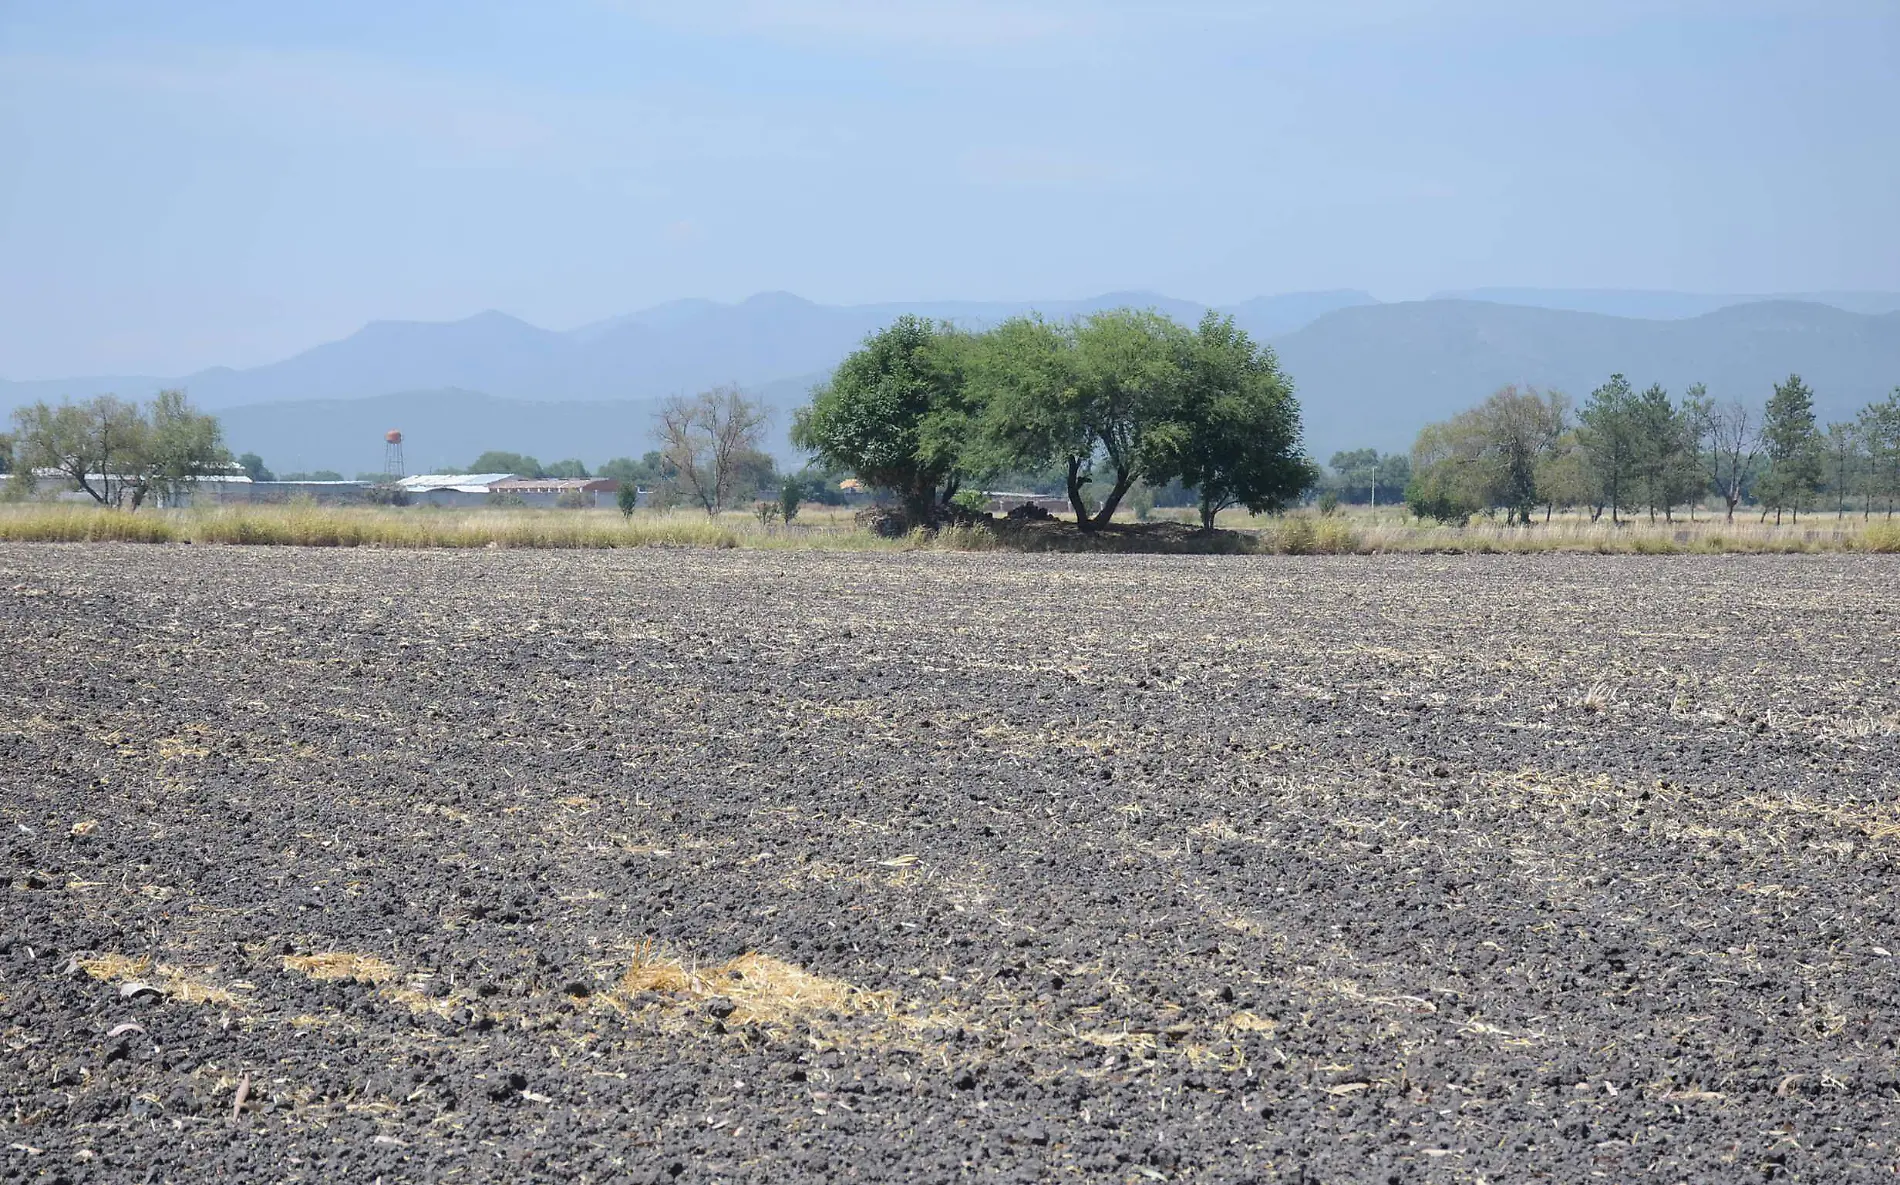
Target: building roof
<point x="463" y="483"/>
<point x="558" y="485"/>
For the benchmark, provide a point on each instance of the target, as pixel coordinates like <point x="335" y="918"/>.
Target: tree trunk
<point x="1075" y="495"/>
<point x="1208" y="511"/>
<point x="1123" y="481"/>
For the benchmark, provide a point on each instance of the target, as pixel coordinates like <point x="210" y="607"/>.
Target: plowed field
<point x="689" y="865"/>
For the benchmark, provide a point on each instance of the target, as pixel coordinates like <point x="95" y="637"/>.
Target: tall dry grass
<point x="1301" y="533"/>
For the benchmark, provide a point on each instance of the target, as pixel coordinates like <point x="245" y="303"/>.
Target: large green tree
<point x="1879" y="425"/>
<point x="1667" y="466"/>
<point x="897" y="414"/>
<point x="1241" y="444"/>
<point x="1613" y="445"/>
<point x="1101" y="398"/>
<point x="1792" y="448"/>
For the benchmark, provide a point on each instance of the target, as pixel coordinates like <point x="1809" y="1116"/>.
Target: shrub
<point x="1296" y="536"/>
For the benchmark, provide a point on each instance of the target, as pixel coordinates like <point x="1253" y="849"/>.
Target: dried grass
<point x="763" y="990"/>
<point x="342" y="964"/>
<point x="173" y="982"/>
<point x="1300" y="533"/>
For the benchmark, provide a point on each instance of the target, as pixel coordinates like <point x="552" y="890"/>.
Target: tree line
<point x="1625" y="452"/>
<point x="1113" y="400"/>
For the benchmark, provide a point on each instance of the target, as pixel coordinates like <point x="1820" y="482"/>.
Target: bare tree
<point x="1731" y="438"/>
<point x="706" y="439"/>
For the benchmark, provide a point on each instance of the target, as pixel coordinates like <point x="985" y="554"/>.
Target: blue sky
<point x="225" y="181"/>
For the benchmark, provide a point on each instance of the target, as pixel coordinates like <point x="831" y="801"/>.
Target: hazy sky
<point x="228" y="181"/>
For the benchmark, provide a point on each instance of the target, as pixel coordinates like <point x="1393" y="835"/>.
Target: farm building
<point x="230" y="484"/>
<point x="452" y="489"/>
<point x="560" y="491"/>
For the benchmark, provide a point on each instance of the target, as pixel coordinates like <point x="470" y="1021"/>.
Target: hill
<point x="1374" y="375"/>
<point x="1623" y="302"/>
<point x="681" y="346"/>
<point x="449" y="427"/>
<point x="1368" y="373"/>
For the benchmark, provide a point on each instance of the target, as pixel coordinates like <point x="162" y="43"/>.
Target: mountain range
<point x="1368" y="373"/>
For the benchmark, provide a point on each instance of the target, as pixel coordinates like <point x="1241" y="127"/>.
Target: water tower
<point x="392" y="456"/>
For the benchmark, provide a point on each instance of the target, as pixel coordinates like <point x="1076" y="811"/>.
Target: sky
<point x="207" y="182"/>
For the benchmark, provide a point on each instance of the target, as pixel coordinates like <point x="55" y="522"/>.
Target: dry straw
<point x="1295" y="534"/>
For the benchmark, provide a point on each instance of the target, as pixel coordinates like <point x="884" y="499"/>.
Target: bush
<point x="973" y="503"/>
<point x="1296" y="536"/>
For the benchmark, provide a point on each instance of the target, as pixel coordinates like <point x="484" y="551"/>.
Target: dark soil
<point x="692" y="865"/>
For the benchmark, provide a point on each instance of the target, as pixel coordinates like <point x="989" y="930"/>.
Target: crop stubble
<point x="738" y="865"/>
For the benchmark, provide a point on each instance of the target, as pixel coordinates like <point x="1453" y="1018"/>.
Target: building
<point x="550" y="491"/>
<point x="225" y="484"/>
<point x="452" y="489"/>
<point x="323" y="493"/>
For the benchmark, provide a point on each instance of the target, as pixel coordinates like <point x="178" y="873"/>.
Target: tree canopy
<point x="1106" y="403"/>
<point x="498" y="461"/>
<point x="1241" y="440"/>
<point x="118" y="452"/>
<point x="897" y="413"/>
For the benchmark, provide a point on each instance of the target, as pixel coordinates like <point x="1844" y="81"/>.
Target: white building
<point x="452" y="489"/>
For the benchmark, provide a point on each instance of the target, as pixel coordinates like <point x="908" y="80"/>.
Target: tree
<point x="1565" y="478"/>
<point x="705" y="439"/>
<point x="1613" y="443"/>
<point x="1105" y="391"/>
<point x="627" y="498"/>
<point x="1730" y="438"/>
<point x="117" y="452"/>
<point x="755" y="474"/>
<point x="1667" y="467"/>
<point x="1879" y="425"/>
<point x="1241" y="445"/>
<point x="1845" y="456"/>
<point x="1792" y="449"/>
<point x="896" y="413"/>
<point x="519" y="464"/>
<point x="569" y="470"/>
<point x="791" y="492"/>
<point x="253" y="466"/>
<point x="650" y="470"/>
<point x="320" y="475"/>
<point x="1487" y="457"/>
<point x="1447" y="482"/>
<point x="1517" y="429"/>
<point x="1364" y="474"/>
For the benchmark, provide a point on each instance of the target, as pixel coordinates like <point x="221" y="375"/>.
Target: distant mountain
<point x="1617" y="302"/>
<point x="684" y="345"/>
<point x="449" y="427"/>
<point x="1374" y="375"/>
<point x="1270" y="316"/>
<point x="1368" y="373"/>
